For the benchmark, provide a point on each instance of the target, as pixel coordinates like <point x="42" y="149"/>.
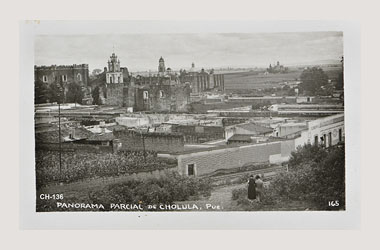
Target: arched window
<point x="162" y="95"/>
<point x="146" y="95"/>
<point x="64" y="78"/>
<point x="79" y="77"/>
<point x="110" y="79"/>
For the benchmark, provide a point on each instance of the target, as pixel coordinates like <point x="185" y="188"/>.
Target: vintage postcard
<point x="188" y="122"/>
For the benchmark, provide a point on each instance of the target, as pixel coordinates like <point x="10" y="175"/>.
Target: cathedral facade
<point x="202" y="81"/>
<point x="159" y="93"/>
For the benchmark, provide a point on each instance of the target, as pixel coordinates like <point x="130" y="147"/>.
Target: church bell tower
<point x="161" y="66"/>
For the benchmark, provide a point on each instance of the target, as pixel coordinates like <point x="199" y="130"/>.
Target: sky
<point x="140" y="52"/>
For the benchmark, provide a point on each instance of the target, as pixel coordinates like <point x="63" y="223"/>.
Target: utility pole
<point x="143" y="142"/>
<point x="59" y="132"/>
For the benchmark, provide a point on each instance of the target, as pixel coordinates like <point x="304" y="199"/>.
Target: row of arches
<point x="63" y="78"/>
<point x="161" y="94"/>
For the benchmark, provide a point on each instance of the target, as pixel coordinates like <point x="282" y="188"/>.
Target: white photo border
<point x="30" y="219"/>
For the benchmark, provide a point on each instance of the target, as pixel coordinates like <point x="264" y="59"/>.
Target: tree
<point x="74" y="93"/>
<point x="312" y="79"/>
<point x="340" y="82"/>
<point x="56" y="93"/>
<point x="41" y="92"/>
<point x="96" y="96"/>
<point x="316" y="174"/>
<point x="96" y="72"/>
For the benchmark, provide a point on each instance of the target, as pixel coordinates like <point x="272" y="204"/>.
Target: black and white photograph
<point x="190" y="122"/>
<point x="190" y="125"/>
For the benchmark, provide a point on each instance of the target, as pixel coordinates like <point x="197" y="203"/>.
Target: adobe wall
<point x="199" y="134"/>
<point x="209" y="161"/>
<point x="263" y="100"/>
<point x="159" y="142"/>
<point x="287" y="147"/>
<point x="181" y="94"/>
<point x="155" y="101"/>
<point x="169" y="98"/>
<point x="75" y="147"/>
<point x="115" y="95"/>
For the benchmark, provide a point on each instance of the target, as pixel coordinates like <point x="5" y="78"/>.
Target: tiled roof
<point x="116" y="127"/>
<point x="237" y="137"/>
<point x="102" y="137"/>
<point x="255" y="128"/>
<point x="52" y="136"/>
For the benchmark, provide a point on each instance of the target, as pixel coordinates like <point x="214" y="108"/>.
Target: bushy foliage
<point x="312" y="79"/>
<point x="269" y="199"/>
<point x="79" y="166"/>
<point x="340" y="81"/>
<point x="263" y="105"/>
<point x="41" y="91"/>
<point x="56" y="93"/>
<point x="238" y="193"/>
<point x="315" y="174"/>
<point x="164" y="190"/>
<point x="96" y="96"/>
<point x="74" y="93"/>
<point x="306" y="154"/>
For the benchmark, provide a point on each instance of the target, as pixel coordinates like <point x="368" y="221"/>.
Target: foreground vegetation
<point x="80" y="166"/>
<point x="163" y="190"/>
<point x="316" y="180"/>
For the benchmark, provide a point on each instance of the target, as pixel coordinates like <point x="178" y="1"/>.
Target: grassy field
<point x="253" y="80"/>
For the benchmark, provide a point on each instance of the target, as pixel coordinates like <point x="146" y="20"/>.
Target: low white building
<point x="133" y="121"/>
<point x="327" y="131"/>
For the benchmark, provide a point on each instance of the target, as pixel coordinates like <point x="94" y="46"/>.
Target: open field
<point x="253" y="80"/>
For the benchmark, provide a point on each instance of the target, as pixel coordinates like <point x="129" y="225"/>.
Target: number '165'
<point x="333" y="203"/>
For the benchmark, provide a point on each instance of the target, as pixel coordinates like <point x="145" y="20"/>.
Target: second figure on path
<point x="259" y="187"/>
<point x="251" y="188"/>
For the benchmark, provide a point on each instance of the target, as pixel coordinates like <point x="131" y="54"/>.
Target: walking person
<point x="259" y="188"/>
<point x="251" y="188"/>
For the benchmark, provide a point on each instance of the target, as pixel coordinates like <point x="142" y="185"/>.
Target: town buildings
<point x="202" y="81"/>
<point x="200" y="143"/>
<point x="76" y="73"/>
<point x="160" y="93"/>
<point x="64" y="75"/>
<point x="327" y="131"/>
<point x="277" y="68"/>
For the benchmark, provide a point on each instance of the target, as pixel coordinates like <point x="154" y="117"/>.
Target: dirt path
<point x="220" y="199"/>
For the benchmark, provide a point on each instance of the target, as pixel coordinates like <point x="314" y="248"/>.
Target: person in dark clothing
<point x="251" y="188"/>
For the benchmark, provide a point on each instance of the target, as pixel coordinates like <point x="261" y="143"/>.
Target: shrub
<point x="79" y="166"/>
<point x="164" y="190"/>
<point x="238" y="193"/>
<point x="316" y="174"/>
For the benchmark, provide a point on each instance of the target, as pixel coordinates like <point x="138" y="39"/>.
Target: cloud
<point x="142" y="51"/>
